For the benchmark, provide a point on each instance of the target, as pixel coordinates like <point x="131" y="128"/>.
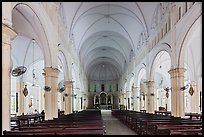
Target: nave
<point x="71" y="57"/>
<point x="109" y="122"/>
<point x="114" y="125"/>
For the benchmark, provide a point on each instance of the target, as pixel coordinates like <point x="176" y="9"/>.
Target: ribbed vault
<point x="106" y="34"/>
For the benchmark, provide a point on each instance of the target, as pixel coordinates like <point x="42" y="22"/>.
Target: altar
<point x="106" y="107"/>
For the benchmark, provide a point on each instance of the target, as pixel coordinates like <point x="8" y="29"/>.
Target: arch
<point x="103" y="98"/>
<point x="40" y="31"/>
<point x="131" y="94"/>
<point x="140" y="75"/>
<point x="192" y="30"/>
<point x="140" y="84"/>
<point x="131" y="83"/>
<point x="96" y="99"/>
<point x="186" y="32"/>
<point x="62" y="56"/>
<point x="162" y="47"/>
<point x="159" y="74"/>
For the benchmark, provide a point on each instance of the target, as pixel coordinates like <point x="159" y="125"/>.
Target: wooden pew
<point x="165" y="129"/>
<point x="186" y="132"/>
<point x="86" y="122"/>
<point x="56" y="132"/>
<point x="28" y="119"/>
<point x="81" y="127"/>
<point x="151" y="126"/>
<point x="144" y="123"/>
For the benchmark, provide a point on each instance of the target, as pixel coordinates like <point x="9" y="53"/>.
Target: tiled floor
<point x="114" y="126"/>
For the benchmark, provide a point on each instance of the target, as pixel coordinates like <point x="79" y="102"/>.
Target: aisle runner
<point x="114" y="126"/>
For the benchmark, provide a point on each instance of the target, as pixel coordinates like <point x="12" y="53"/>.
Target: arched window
<point x="102" y="87"/>
<point x="179" y="13"/>
<point x="94" y="87"/>
<point x="88" y="87"/>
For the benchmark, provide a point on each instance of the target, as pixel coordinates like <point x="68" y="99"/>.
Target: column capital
<point x="52" y="72"/>
<point x="177" y="72"/>
<point x="136" y="87"/>
<point x="68" y="82"/>
<point x="149" y="82"/>
<point x="8" y="31"/>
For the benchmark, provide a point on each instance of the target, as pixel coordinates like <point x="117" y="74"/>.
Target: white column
<point x="77" y="101"/>
<point x="112" y="99"/>
<point x="150" y="97"/>
<point x="129" y="103"/>
<point x="8" y="35"/>
<point x="177" y="95"/>
<point x="122" y="99"/>
<point x="62" y="102"/>
<point x="21" y="97"/>
<point x="54" y="93"/>
<point x="7" y="13"/>
<point x="168" y="100"/>
<point x="51" y="108"/>
<point x="48" y="99"/>
<point x="128" y="96"/>
<point x="136" y="99"/>
<point x="195" y="98"/>
<point x="86" y="101"/>
<point x="125" y="100"/>
<point x="68" y="97"/>
<point x="141" y="102"/>
<point x="94" y="99"/>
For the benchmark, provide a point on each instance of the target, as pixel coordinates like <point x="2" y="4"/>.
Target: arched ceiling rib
<point x="103" y="71"/>
<point x="107" y="33"/>
<point x="108" y="39"/>
<point x="25" y="51"/>
<point x="104" y="53"/>
<point x="103" y="60"/>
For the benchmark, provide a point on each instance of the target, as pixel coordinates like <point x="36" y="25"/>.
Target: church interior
<point x="101" y="68"/>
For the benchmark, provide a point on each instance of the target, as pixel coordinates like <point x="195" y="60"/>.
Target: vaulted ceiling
<point x="106" y="34"/>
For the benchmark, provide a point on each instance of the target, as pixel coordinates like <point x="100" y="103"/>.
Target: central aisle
<point x="114" y="126"/>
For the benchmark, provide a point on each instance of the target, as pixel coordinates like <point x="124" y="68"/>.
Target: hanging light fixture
<point x="33" y="71"/>
<point x="25" y="91"/>
<point x="191" y="90"/>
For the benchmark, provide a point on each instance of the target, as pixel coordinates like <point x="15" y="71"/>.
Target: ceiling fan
<point x="61" y="87"/>
<point x="19" y="71"/>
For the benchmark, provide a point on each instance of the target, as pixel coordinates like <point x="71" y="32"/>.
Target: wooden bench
<point x="80" y="123"/>
<point x="164" y="129"/>
<point x="55" y="132"/>
<point x="186" y="132"/>
<point x="26" y="119"/>
<point x="151" y="126"/>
